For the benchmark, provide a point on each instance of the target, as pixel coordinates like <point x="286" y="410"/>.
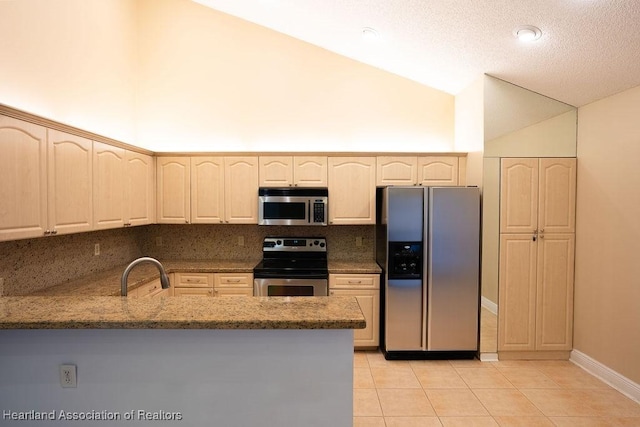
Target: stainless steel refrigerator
<point x="428" y="244"/>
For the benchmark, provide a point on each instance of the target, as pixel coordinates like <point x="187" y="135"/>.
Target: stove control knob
<point x="278" y="242"/>
<point x="316" y="243"/>
<point x="322" y="245"/>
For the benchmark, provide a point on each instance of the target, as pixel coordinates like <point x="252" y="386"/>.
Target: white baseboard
<point x="488" y="357"/>
<point x="489" y="305"/>
<point x="618" y="381"/>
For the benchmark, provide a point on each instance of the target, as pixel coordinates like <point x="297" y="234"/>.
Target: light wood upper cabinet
<point x="109" y="166"/>
<point x="352" y="190"/>
<point x="275" y="171"/>
<point x="23" y="179"/>
<point x="207" y="190"/>
<point x="557" y="205"/>
<point x="173" y="190"/>
<point x="241" y="190"/>
<point x="285" y="171"/>
<point x="140" y="189"/>
<point x="538" y="194"/>
<point x="70" y="183"/>
<point x="519" y="196"/>
<point x="396" y="170"/>
<point x="310" y="171"/>
<point x="437" y="170"/>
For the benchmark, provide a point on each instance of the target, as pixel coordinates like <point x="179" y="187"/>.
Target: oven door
<point x="290" y="287"/>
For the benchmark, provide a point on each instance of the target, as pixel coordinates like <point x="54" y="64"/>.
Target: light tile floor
<point x="473" y="393"/>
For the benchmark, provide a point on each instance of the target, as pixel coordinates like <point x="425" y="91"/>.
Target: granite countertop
<point x="37" y="312"/>
<point x="107" y="283"/>
<point x="354" y="267"/>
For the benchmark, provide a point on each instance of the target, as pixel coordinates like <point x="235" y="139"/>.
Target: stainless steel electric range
<point x="292" y="266"/>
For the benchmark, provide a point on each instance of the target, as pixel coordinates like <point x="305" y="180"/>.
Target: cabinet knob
<point x="332" y="293"/>
<point x="54" y="232"/>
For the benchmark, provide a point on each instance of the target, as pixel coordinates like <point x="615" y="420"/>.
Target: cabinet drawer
<point x="149" y="289"/>
<point x="350" y="281"/>
<point x="193" y="280"/>
<point x="235" y="280"/>
<point x="233" y="292"/>
<point x="203" y="292"/>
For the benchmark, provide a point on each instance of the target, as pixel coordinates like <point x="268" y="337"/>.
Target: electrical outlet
<point x="159" y="241"/>
<point x="359" y="241"/>
<point x="96" y="249"/>
<point x="68" y="378"/>
<point x="240" y="240"/>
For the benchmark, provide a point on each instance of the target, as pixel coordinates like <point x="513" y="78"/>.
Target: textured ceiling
<point x="589" y="49"/>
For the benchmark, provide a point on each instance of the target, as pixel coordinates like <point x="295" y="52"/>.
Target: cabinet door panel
<point x="437" y="170"/>
<point x="369" y="301"/>
<point x="310" y="171"/>
<point x="517" y="293"/>
<point x="108" y="186"/>
<point x="396" y="170"/>
<point x="554" y="323"/>
<point x="276" y="171"/>
<point x="519" y="196"/>
<point x="207" y="190"/>
<point x="140" y="189"/>
<point x="557" y="207"/>
<point x="23" y="179"/>
<point x="70" y="183"/>
<point x="352" y="190"/>
<point x="241" y="190"/>
<point x="173" y="190"/>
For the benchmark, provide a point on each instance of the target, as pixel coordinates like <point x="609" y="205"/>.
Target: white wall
<point x="72" y="61"/>
<point x="231" y="378"/>
<point x="212" y="82"/>
<point x="607" y="280"/>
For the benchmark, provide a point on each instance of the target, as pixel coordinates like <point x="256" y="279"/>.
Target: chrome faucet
<point x="164" y="279"/>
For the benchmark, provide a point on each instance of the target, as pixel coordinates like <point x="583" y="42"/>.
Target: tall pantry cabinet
<point x="537" y="241"/>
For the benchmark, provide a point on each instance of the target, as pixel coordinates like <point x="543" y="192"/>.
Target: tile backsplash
<point x="202" y="241"/>
<point x="33" y="264"/>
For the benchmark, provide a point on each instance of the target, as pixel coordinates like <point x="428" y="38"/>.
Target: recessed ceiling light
<point x="527" y="33"/>
<point x="369" y="34"/>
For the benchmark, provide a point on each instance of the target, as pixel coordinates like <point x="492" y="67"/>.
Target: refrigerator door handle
<point x="426" y="271"/>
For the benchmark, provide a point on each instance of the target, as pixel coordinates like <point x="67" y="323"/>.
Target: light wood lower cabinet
<point x="233" y="284"/>
<point x="536" y="292"/>
<point x="193" y="284"/>
<point x="213" y="284"/>
<point x="152" y="289"/>
<point x="366" y="289"/>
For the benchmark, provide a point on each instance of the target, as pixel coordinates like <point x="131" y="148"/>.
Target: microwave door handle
<point x="309" y="212"/>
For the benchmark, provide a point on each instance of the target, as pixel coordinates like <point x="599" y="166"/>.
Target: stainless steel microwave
<point x="292" y="206"/>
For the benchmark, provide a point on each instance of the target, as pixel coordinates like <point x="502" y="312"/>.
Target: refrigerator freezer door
<point x="453" y="268"/>
<point x="405" y="214"/>
<point x="403" y="315"/>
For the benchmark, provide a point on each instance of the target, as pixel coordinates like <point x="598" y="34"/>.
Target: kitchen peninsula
<point x="223" y="361"/>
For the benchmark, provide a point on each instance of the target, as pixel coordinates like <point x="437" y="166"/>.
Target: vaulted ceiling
<point x="589" y="49"/>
